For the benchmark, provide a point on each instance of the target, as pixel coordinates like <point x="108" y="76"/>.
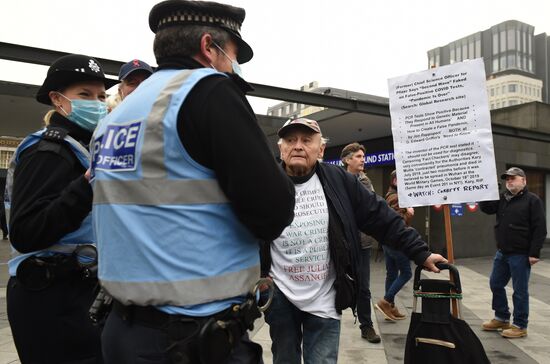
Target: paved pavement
<point x="476" y="307"/>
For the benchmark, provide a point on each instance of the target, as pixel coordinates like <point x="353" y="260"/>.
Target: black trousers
<point x="128" y="342"/>
<point x="51" y="326"/>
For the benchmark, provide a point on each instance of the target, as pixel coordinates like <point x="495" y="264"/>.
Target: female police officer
<point x="48" y="293"/>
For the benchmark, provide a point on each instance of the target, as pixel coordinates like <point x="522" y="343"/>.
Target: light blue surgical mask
<point x="235" y="66"/>
<point x="86" y="113"/>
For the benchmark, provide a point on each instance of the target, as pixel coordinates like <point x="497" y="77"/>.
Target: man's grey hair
<point x="324" y="140"/>
<point x="185" y="41"/>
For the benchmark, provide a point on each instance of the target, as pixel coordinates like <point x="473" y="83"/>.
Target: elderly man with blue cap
<point x="185" y="187"/>
<point x="131" y="75"/>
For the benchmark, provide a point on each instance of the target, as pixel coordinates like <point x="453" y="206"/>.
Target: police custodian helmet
<point x="186" y="12"/>
<point x="70" y="69"/>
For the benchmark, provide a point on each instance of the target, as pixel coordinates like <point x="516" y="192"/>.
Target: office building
<point x="516" y="61"/>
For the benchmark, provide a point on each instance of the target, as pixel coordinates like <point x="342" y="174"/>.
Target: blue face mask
<point x="86" y="113"/>
<point x="235" y="66"/>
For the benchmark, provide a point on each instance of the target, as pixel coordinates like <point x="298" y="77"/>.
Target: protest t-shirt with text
<point x="301" y="266"/>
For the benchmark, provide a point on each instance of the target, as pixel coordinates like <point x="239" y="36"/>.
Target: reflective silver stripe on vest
<point x="184" y="293"/>
<point x="155" y="192"/>
<point x="152" y="152"/>
<point x="155" y="188"/>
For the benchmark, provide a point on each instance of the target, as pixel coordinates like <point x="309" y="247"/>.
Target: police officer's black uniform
<point x="50" y="199"/>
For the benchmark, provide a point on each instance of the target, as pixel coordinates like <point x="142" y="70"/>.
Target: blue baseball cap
<point x="132" y="66"/>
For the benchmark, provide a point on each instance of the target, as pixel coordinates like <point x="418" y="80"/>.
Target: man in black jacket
<point x="314" y="262"/>
<point x="520" y="231"/>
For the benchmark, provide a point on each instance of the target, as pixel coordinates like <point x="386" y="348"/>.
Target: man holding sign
<point x="520" y="232"/>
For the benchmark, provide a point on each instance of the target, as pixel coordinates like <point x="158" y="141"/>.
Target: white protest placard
<point x="442" y="136"/>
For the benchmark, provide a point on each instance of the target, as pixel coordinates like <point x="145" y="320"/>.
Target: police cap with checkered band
<point x="71" y="69"/>
<point x="186" y="12"/>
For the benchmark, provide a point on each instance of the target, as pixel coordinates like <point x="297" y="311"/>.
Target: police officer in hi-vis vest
<point x="185" y="187"/>
<point x="52" y="271"/>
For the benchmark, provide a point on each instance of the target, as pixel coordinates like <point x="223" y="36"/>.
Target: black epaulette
<point x="53" y="142"/>
<point x="54" y="134"/>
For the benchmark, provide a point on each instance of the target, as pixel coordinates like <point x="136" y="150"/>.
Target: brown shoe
<point x="370" y="334"/>
<point x="495" y="325"/>
<point x="395" y="312"/>
<point x="514" y="332"/>
<point x="385" y="307"/>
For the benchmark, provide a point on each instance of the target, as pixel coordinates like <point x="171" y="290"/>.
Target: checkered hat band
<point x="194" y="17"/>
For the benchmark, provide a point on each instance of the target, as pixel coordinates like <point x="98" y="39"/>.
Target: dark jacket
<point x="393" y="201"/>
<point x="521" y="224"/>
<point x="50" y="196"/>
<point x="219" y="130"/>
<point x="366" y="241"/>
<point x="351" y="208"/>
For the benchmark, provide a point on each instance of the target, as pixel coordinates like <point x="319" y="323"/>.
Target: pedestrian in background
<point x="353" y="160"/>
<point x="50" y="291"/>
<point x="185" y="186"/>
<point x="398" y="266"/>
<point x="520" y="231"/>
<point x="130" y="75"/>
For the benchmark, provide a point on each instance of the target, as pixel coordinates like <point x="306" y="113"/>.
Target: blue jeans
<point x="364" y="296"/>
<point x="517" y="267"/>
<point x="288" y="326"/>
<point x="398" y="272"/>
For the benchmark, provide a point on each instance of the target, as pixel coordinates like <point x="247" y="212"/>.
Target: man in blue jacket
<point x="520" y="231"/>
<point x="314" y="262"/>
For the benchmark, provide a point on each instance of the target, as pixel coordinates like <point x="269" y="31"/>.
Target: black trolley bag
<point x="435" y="335"/>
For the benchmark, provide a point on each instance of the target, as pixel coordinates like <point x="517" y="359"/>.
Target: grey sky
<point x="349" y="44"/>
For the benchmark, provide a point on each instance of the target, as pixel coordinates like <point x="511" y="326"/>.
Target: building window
<point x="498" y="105"/>
<point x="471" y="53"/>
<point x="511" y="39"/>
<point x="5" y="157"/>
<point x="503" y="62"/>
<point x="502" y="41"/>
<point x="478" y="48"/>
<point x="437" y="60"/>
<point x="513" y="102"/>
<point x="452" y="60"/>
<point x="512" y="87"/>
<point x="511" y="61"/>
<point x="524" y="45"/>
<point x="465" y="51"/>
<point x="503" y="90"/>
<point x="492" y="91"/>
<point x="458" y="53"/>
<point x="495" y="64"/>
<point x="492" y="106"/>
<point x="495" y="43"/>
